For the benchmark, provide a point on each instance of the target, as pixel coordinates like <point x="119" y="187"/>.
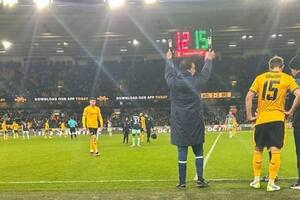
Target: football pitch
<point x="60" y="168"/>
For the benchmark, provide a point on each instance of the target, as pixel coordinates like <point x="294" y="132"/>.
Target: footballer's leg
<point x="198" y="151"/>
<point x="148" y="135"/>
<point x="23" y="134"/>
<point x="97" y="135"/>
<point x="142" y="134"/>
<point x="233" y="131"/>
<point x="229" y="129"/>
<point x="91" y="142"/>
<point x="133" y="137"/>
<point x="127" y="136"/>
<point x="5" y="136"/>
<point x="275" y="136"/>
<point x="259" y="138"/>
<point x="257" y="166"/>
<point x="274" y="167"/>
<point x="182" y="161"/>
<point x="94" y="147"/>
<point x="138" y="140"/>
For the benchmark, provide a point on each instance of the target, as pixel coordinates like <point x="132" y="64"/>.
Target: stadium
<point x="101" y="99"/>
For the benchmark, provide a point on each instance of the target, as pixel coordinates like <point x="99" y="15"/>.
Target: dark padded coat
<point x="187" y="127"/>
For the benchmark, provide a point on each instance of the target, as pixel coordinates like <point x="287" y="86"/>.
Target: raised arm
<point x="205" y="73"/>
<point x="170" y="71"/>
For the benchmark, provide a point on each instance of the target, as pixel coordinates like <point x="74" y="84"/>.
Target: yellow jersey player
<point x="63" y="129"/>
<point x="271" y="88"/>
<point x="143" y="126"/>
<point x="92" y="120"/>
<point x="4" y="130"/>
<point x="231" y="124"/>
<point x="29" y="125"/>
<point x="47" y="130"/>
<point x="15" y="128"/>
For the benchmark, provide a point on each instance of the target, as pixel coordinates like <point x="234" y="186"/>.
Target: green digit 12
<point x="201" y="41"/>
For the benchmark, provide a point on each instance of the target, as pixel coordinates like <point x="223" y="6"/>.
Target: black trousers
<point x="125" y="138"/>
<point x="148" y="135"/>
<point x="297" y="144"/>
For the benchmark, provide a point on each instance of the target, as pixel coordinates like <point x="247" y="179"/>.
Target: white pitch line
<point x="126" y="181"/>
<point x="85" y="181"/>
<point x="211" y="150"/>
<point x="209" y="153"/>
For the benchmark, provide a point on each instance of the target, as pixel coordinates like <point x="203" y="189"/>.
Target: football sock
<point x="257" y="163"/>
<point x="274" y="165"/>
<point x="182" y="171"/>
<point x="95" y="145"/>
<point x="199" y="166"/>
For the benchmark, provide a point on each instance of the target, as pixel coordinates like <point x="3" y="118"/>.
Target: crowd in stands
<point x="42" y="78"/>
<point x="137" y="77"/>
<point x="160" y="117"/>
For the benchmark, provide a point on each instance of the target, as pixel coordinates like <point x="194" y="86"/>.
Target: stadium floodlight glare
<point x="9" y="3"/>
<point x="116" y="3"/>
<point x="135" y="42"/>
<point x="40" y="4"/>
<point x="6" y="44"/>
<point x="273" y="36"/>
<point x="244" y="37"/>
<point x="150" y="1"/>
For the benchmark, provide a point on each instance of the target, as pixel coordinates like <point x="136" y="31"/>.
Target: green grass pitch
<point x="60" y="168"/>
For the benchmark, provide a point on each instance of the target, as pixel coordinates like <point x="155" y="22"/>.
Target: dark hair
<point x="92" y="98"/>
<point x="295" y="63"/>
<point x="276" y="61"/>
<point x="185" y="64"/>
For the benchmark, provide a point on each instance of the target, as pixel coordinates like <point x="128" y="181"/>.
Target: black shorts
<point x="93" y="131"/>
<point x="269" y="134"/>
<point x="72" y="130"/>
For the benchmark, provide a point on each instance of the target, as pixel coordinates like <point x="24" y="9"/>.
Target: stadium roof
<point x="90" y="28"/>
